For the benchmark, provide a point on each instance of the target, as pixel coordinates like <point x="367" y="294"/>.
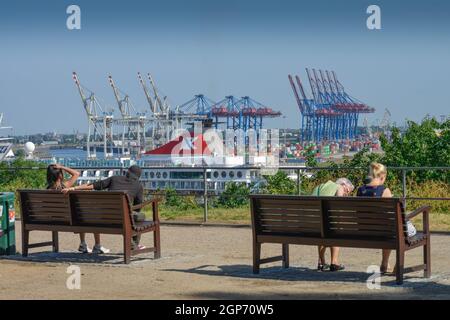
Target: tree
<point x="422" y="144"/>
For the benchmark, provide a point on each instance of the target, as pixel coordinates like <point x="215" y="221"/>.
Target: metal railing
<point x="300" y="173"/>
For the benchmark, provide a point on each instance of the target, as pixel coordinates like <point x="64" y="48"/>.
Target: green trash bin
<point x="7" y="224"/>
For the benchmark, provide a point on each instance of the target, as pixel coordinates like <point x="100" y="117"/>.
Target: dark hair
<point x="53" y="174"/>
<point x="134" y="172"/>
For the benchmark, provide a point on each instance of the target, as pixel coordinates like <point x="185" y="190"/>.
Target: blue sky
<point x="220" y="48"/>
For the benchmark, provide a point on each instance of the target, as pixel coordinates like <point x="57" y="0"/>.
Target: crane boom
<point x="313" y="85"/>
<point x="158" y="99"/>
<point x="302" y="91"/>
<point x="147" y="94"/>
<point x="299" y="102"/>
<point x="115" y="90"/>
<point x="85" y="101"/>
<point x="117" y="96"/>
<point x="339" y="86"/>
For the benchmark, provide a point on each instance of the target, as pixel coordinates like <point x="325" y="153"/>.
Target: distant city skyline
<point x="220" y="48"/>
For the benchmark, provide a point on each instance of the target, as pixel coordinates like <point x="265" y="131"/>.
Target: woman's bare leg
<point x="83" y="237"/>
<point x="385" y="260"/>
<point x="321" y="250"/>
<point x="334" y="255"/>
<point x="97" y="239"/>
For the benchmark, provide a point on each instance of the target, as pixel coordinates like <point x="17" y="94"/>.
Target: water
<point x="72" y="153"/>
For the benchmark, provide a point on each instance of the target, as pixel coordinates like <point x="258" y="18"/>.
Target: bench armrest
<point x="423" y="209"/>
<point x="154" y="203"/>
<point x="143" y="204"/>
<point x="425" y="217"/>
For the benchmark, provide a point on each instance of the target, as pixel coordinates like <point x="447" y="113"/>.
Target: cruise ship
<point x="177" y="165"/>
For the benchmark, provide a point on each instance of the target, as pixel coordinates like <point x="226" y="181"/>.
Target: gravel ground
<point x="205" y="262"/>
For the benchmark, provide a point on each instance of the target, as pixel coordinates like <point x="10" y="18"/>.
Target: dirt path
<point x="208" y="263"/>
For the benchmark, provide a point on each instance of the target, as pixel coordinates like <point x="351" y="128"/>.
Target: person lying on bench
<point x="55" y="181"/>
<point x="128" y="183"/>
<point x="341" y="188"/>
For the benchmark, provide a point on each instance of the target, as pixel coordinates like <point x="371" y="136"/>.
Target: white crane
<point x="133" y="122"/>
<point x="161" y="124"/>
<point x="147" y="94"/>
<point x="386" y="121"/>
<point x="100" y="123"/>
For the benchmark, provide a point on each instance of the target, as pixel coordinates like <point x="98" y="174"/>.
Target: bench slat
<point x="361" y="226"/>
<point x="290" y="218"/>
<point x="360" y="207"/>
<point x="291" y="230"/>
<point x="292" y="211"/>
<point x="374" y="221"/>
<point x="288" y="224"/>
<point x="357" y="232"/>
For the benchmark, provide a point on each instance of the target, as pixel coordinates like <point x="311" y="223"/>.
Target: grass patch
<point x="222" y="215"/>
<point x="438" y="222"/>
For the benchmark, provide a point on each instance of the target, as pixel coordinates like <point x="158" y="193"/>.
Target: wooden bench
<point x="101" y="212"/>
<point x="358" y="222"/>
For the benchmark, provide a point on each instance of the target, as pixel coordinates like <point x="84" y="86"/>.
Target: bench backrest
<point x="362" y="218"/>
<point x="98" y="208"/>
<point x="103" y="209"/>
<point x="44" y="207"/>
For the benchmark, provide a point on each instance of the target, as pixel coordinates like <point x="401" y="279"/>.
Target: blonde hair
<point x="377" y="170"/>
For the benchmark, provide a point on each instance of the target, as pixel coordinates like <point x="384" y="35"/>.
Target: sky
<point x="219" y="48"/>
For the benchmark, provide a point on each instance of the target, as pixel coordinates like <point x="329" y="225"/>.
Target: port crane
<point x="161" y="126"/>
<point x="331" y="113"/>
<point x="133" y="123"/>
<point x="100" y="123"/>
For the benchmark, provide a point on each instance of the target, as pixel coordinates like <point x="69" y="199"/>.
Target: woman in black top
<point x="376" y="188"/>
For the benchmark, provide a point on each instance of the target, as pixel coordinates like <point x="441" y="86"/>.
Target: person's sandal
<point x="83" y="248"/>
<point x="386" y="270"/>
<point x="100" y="250"/>
<point x="336" y="267"/>
<point x="323" y="267"/>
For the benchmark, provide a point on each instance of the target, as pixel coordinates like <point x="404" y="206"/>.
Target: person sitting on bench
<point x="341" y="188"/>
<point x="55" y="181"/>
<point x="376" y="188"/>
<point x="128" y="183"/>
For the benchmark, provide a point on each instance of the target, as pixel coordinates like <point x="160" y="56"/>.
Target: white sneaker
<point x="100" y="250"/>
<point x="83" y="248"/>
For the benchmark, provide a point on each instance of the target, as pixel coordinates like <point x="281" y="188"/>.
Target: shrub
<point x="173" y="199"/>
<point x="234" y="196"/>
<point x="279" y="183"/>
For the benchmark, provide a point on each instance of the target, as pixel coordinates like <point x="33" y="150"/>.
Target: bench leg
<point x="55" y="241"/>
<point x="127" y="248"/>
<point x="427" y="258"/>
<point x="400" y="266"/>
<point x="256" y="256"/>
<point x="157" y="242"/>
<point x="25" y="241"/>
<point x="285" y="250"/>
